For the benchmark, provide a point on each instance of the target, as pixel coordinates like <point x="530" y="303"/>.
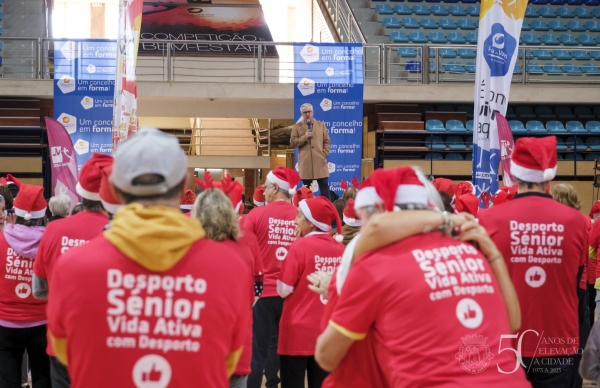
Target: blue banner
<point x="330" y="77"/>
<point x="84" y="84"/>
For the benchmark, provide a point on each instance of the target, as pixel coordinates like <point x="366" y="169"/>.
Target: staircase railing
<point x="345" y="21"/>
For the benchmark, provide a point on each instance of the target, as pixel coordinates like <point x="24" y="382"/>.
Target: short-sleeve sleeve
<point x="39" y="264"/>
<point x="55" y="304"/>
<point x="293" y="266"/>
<point x="240" y="331"/>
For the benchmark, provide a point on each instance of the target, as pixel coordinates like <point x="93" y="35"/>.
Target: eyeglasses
<point x="307" y="112"/>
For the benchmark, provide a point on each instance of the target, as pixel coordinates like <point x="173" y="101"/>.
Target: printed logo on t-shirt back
<point x="23" y="290"/>
<point x="469" y="313"/>
<point x="535" y="276"/>
<point x="281" y="253"/>
<point x="152" y="371"/>
<point x="474" y="355"/>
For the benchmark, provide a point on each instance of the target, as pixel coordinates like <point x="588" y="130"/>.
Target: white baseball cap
<point x="150" y="151"/>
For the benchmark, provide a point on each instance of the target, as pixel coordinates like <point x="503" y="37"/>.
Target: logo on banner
<point x="57" y="155"/>
<point x="87" y="102"/>
<point x="326" y="104"/>
<point x="152" y="371"/>
<point x="331" y="167"/>
<point x="306" y="86"/>
<point x="82" y="147"/>
<point x="69" y="122"/>
<point x="66" y="84"/>
<point x="499" y="48"/>
<point x="329" y="71"/>
<point x="91" y="69"/>
<point x="70" y="50"/>
<point x="310" y="53"/>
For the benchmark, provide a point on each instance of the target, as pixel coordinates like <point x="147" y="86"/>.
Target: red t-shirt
<point x="275" y="230"/>
<point x="17" y="303"/>
<point x="544" y="244"/>
<point x="595" y="244"/>
<point x="435" y="311"/>
<point x="125" y="324"/>
<point x="300" y="323"/>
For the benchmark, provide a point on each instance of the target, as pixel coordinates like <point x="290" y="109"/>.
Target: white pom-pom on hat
<point x="292" y="191"/>
<point x="339" y="238"/>
<point x="549" y="174"/>
<point x="27" y="216"/>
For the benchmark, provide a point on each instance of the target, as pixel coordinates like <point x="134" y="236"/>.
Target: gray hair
<point x="60" y="205"/>
<point x="432" y="194"/>
<point x="216" y="214"/>
<point x="282" y="191"/>
<point x="306" y="104"/>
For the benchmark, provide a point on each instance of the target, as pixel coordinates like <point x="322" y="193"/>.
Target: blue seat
<point x="592" y="26"/>
<point x="407" y="52"/>
<point x="457" y="10"/>
<point x="447" y="24"/>
<point x="471" y="38"/>
<point x="473" y="10"/>
<point x="468" y="109"/>
<point x="580" y="55"/>
<point x="510" y="113"/>
<point x="557" y="25"/>
<point x="583" y="13"/>
<point x="574" y="156"/>
<point x="528" y="54"/>
<point x="455" y="126"/>
<point x="592" y="156"/>
<point x="535" y="126"/>
<point x="469" y="155"/>
<point x="559" y="157"/>
<point x="560" y="144"/>
<point x="447" y="53"/>
<point x="524" y="111"/>
<point x="574" y="2"/>
<point x="549" y="39"/>
<point x="465" y="24"/>
<point x="571" y="69"/>
<point x="433" y="155"/>
<point x="391" y="22"/>
<point x="413" y="66"/>
<point x="517" y="127"/>
<point x="534" y="68"/>
<point x="436" y="37"/>
<point x="431" y="53"/>
<point x="564" y="112"/>
<point x="454" y="156"/>
<point x="525" y="26"/>
<point x="415" y="1"/>
<point x="0" y="30"/>
<point x="471" y="67"/>
<point x="590" y="68"/>
<point x="444" y="108"/>
<point x="586" y="40"/>
<point x="596" y="12"/>
<point x="593" y="143"/>
<point x="456" y="37"/>
<point x="424" y="108"/>
<point x="531" y="39"/>
<point x="593" y="126"/>
<point x="432" y="66"/>
<point x="455" y="143"/>
<point x="439" y="10"/>
<point x="420" y="9"/>
<point x="539" y="25"/>
<point x="469" y="126"/>
<point x="544" y="112"/>
<point x="399" y="37"/>
<point x="568" y="40"/>
<point x="530" y="12"/>
<point x="574" y="126"/>
<point x="429" y="23"/>
<point x="542" y="54"/>
<point x="410" y="23"/>
<point x="402" y="9"/>
<point x="575" y="25"/>
<point x="552" y="68"/>
<point x="573" y="142"/>
<point x="466" y="53"/>
<point x="454" y="67"/>
<point x="591" y="2"/>
<point x="546" y="12"/>
<point x="518" y="69"/>
<point x="595" y="54"/>
<point x="561" y="54"/>
<point x="555" y="127"/>
<point x="434" y="126"/>
<point x="417" y="37"/>
<point x="564" y="12"/>
<point x="435" y="143"/>
<point x="537" y="2"/>
<point x="583" y="112"/>
<point x="384" y="9"/>
<point x="556" y="2"/>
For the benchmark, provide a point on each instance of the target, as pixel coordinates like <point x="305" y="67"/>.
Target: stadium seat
<point x="539" y="25"/>
<point x="429" y="23"/>
<point x="454" y="156"/>
<point x="431" y="53"/>
<point x="596" y="111"/>
<point x="436" y="37"/>
<point x="552" y="68"/>
<point x="518" y="69"/>
<point x="535" y="126"/>
<point x="407" y="52"/>
<point x="559" y="157"/>
<point x="402" y="9"/>
<point x="542" y="54"/>
<point x="447" y="53"/>
<point x="471" y="37"/>
<point x="586" y="40"/>
<point x="592" y="156"/>
<point x="574" y="156"/>
<point x="469" y="155"/>
<point x="455" y="143"/>
<point x="580" y="55"/>
<point x="571" y="69"/>
<point x="525" y="26"/>
<point x="434" y="126"/>
<point x="391" y="22"/>
<point x="583" y="13"/>
<point x="530" y="12"/>
<point x="556" y="2"/>
<point x="410" y="23"/>
<point x="593" y="143"/>
<point x="528" y="53"/>
<point x="524" y="112"/>
<point x="456" y="37"/>
<point x="544" y="112"/>
<point x="510" y="113"/>
<point x="560" y="144"/>
<point x="417" y="37"/>
<point x="573" y="141"/>
<point x="432" y="67"/>
<point x="531" y="39"/>
<point x="384" y="9"/>
<point x="596" y="12"/>
<point x="591" y="2"/>
<point x="517" y="127"/>
<point x="574" y="126"/>
<point x="590" y="68"/>
<point x="415" y="1"/>
<point x="549" y="39"/>
<point x="420" y="9"/>
<point x="537" y="2"/>
<point x="435" y="143"/>
<point x="592" y="26"/>
<point x="469" y="126"/>
<point x="574" y="2"/>
<point x="595" y="54"/>
<point x="445" y="108"/>
<point x="447" y="24"/>
<point x="561" y="54"/>
<point x="399" y="37"/>
<point x="575" y="25"/>
<point x="568" y="40"/>
<point x="425" y="108"/>
<point x="455" y="126"/>
<point x="557" y="25"/>
<point x="554" y="126"/>
<point x="466" y="53"/>
<point x="457" y="10"/>
<point x="433" y="155"/>
<point x="413" y="66"/>
<point x="564" y="12"/>
<point x="468" y="109"/>
<point x="465" y="24"/>
<point x="564" y="112"/>
<point x="534" y="68"/>
<point x="546" y="12"/>
<point x="439" y="10"/>
<point x="583" y="112"/>
<point x="593" y="126"/>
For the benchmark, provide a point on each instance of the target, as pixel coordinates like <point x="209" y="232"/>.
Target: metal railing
<point x="272" y="62"/>
<point x="345" y="21"/>
<point x="211" y="141"/>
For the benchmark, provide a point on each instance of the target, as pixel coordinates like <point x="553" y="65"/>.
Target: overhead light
<point x="281" y="155"/>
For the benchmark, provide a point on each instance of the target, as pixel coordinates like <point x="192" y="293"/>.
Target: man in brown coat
<point x="312" y="139"/>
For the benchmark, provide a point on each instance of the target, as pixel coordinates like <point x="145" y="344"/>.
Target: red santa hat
<point x="285" y="178"/>
<point x="187" y="203"/>
<point x="12" y="180"/>
<point x="534" y="159"/>
<point x="30" y="202"/>
<point x="90" y="176"/>
<point x="302" y="193"/>
<point x="595" y="209"/>
<point x="108" y="197"/>
<point x="349" y="215"/>
<point x="259" y="196"/>
<point x="321" y="213"/>
<point x="399" y="186"/>
<point x="505" y="194"/>
<point x="366" y="195"/>
<point x="463" y="188"/>
<point x="445" y="185"/>
<point x="467" y="203"/>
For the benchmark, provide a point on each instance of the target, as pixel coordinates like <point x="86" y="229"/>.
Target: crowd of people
<point x="401" y="282"/>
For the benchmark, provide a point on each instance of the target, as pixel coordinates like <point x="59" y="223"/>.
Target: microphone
<point x="310" y="125"/>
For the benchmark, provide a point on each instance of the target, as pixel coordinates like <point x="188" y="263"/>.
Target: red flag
<point x="63" y="161"/>
<point x="507" y="144"/>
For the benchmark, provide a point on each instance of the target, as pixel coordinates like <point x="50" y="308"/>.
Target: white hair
<point x="432" y="194"/>
<point x="306" y="104"/>
<point x="59" y="205"/>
